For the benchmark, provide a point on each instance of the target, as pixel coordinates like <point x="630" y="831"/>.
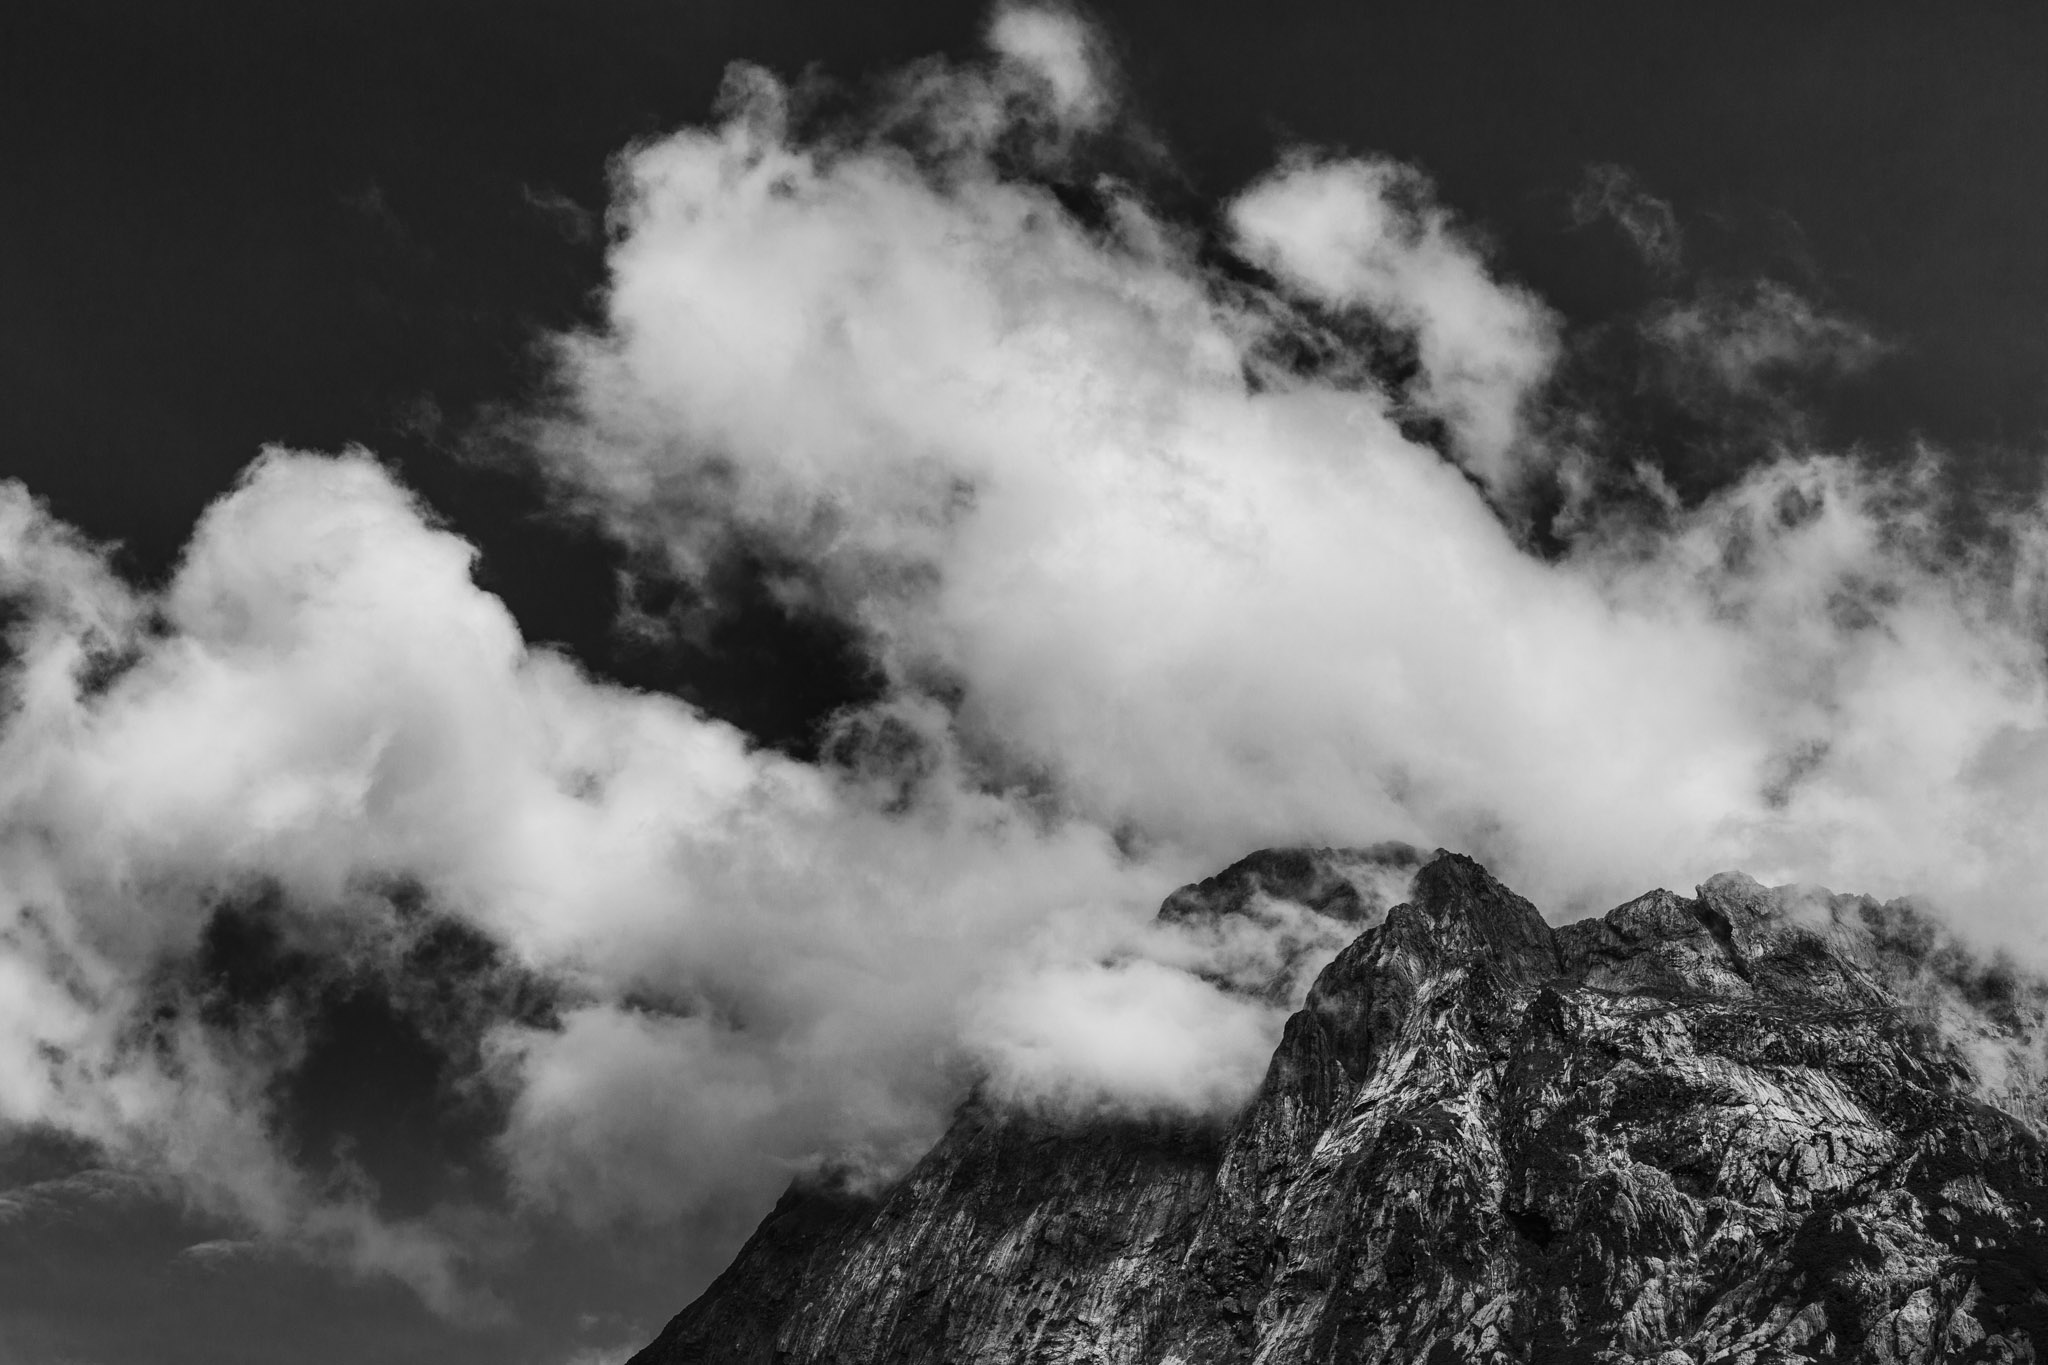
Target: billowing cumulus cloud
<point x="1053" y="470"/>
<point x="1156" y="567"/>
<point x="753" y="964"/>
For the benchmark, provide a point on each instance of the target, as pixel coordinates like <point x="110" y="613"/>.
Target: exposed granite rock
<point x="1717" y="1129"/>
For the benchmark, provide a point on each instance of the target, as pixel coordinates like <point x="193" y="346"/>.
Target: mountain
<point x="1752" y="1125"/>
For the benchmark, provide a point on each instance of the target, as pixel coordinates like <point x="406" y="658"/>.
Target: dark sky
<point x="250" y="221"/>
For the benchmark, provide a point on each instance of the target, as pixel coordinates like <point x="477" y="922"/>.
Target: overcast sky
<point x="610" y="604"/>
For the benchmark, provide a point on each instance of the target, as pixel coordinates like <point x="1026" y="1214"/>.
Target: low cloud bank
<point x="1160" y="562"/>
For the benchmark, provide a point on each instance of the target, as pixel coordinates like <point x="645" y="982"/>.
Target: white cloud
<point x="330" y="704"/>
<point x="1055" y="46"/>
<point x="1366" y="234"/>
<point x="1123" y="1036"/>
<point x="1021" y="454"/>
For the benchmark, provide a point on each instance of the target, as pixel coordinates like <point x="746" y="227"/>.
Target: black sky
<point x="247" y="221"/>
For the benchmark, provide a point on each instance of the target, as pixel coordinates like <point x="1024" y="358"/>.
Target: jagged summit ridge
<point x="1717" y="1128"/>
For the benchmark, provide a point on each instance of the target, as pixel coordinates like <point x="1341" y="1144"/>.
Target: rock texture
<point x="1725" y="1128"/>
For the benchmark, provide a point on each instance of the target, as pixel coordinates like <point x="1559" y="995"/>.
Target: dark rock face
<point x="1714" y="1129"/>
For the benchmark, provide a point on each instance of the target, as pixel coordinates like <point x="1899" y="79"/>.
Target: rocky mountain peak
<point x="1751" y="1125"/>
<point x="1469" y="913"/>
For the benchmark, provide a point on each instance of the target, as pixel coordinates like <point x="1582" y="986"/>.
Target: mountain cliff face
<point x="1731" y="1128"/>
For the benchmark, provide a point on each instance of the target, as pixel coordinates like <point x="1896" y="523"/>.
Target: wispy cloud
<point x="1650" y="224"/>
<point x="1752" y="341"/>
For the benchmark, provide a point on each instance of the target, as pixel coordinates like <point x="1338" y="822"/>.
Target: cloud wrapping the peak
<point x="1130" y="1036"/>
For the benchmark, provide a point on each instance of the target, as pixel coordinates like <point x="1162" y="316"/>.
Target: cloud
<point x="570" y="218"/>
<point x="755" y="963"/>
<point x="1750" y="342"/>
<point x="1123" y="1036"/>
<point x="1355" y="234"/>
<point x="221" y="1254"/>
<point x="1144" y="589"/>
<point x="1054" y="46"/>
<point x="608" y="1355"/>
<point x="91" y="1196"/>
<point x="1609" y="191"/>
<point x="1049" y="470"/>
<point x="1728" y="371"/>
